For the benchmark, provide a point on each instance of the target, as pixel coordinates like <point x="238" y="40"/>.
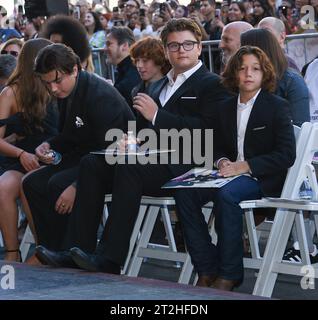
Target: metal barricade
<point x="301" y="47"/>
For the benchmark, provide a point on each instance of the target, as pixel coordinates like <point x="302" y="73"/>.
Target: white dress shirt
<point x="172" y="86"/>
<point x="243" y="114"/>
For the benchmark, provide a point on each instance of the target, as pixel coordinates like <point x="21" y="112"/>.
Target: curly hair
<point x="73" y="34"/>
<point x="230" y="75"/>
<point x="152" y="49"/>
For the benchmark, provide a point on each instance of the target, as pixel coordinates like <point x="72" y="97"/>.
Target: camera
<point x="142" y="12"/>
<point x="77" y="12"/>
<point x="115" y="9"/>
<point x="283" y="10"/>
<point x="217" y="13"/>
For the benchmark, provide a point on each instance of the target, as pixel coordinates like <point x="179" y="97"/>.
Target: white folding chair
<point x="255" y="232"/>
<point x="271" y="264"/>
<point x="144" y="249"/>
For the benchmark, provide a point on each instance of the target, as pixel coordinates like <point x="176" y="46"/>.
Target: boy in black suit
<point x="253" y="138"/>
<point x="88" y="107"/>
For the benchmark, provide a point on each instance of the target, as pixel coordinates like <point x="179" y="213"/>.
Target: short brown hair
<point x="230" y="74"/>
<point x="178" y="25"/>
<point x="152" y="49"/>
<point x="56" y="56"/>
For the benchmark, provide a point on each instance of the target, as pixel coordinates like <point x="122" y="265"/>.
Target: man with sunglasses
<point x="88" y="107"/>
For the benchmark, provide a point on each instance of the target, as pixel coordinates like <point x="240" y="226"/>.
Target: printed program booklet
<point x="199" y="178"/>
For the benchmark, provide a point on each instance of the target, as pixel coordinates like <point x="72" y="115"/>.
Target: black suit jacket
<point x="127" y="77"/>
<point x="269" y="144"/>
<point x="192" y="106"/>
<point x="96" y="107"/>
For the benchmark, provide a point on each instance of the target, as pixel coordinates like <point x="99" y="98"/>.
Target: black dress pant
<point x="130" y="183"/>
<point x="42" y="189"/>
<point x="95" y="179"/>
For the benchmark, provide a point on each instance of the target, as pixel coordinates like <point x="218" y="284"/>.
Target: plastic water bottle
<point x="131" y="142"/>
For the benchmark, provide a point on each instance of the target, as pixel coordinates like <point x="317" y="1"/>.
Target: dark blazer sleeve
<point x="283" y="153"/>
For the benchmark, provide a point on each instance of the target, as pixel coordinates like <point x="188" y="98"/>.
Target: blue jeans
<point x="226" y="258"/>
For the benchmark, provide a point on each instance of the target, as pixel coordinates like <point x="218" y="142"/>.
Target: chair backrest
<point x="297" y="131"/>
<point x="307" y="144"/>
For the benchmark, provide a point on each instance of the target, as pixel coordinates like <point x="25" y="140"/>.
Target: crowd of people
<point x="54" y="111"/>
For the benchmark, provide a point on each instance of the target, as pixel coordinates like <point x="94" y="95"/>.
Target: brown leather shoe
<point x="205" y="281"/>
<point x="224" y="284"/>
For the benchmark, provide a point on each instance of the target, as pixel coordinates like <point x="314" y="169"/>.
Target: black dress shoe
<point x="93" y="263"/>
<point x="57" y="259"/>
<point x="205" y="280"/>
<point x="225" y="284"/>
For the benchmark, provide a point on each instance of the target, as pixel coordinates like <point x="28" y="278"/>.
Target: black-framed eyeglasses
<point x="13" y="53"/>
<point x="186" y="45"/>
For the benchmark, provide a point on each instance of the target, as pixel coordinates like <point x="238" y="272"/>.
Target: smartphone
<point x="20" y="9"/>
<point x="77" y="12"/>
<point x="115" y="9"/>
<point x="142" y="12"/>
<point x="162" y="7"/>
<point x="283" y="10"/>
<point x="217" y="13"/>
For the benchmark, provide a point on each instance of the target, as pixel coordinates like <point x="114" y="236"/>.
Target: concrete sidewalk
<point x="45" y="283"/>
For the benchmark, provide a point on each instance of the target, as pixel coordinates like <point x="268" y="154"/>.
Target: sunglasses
<point x="13" y="53"/>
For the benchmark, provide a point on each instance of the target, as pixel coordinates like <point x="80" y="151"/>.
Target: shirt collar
<point x="185" y="74"/>
<point x="249" y="103"/>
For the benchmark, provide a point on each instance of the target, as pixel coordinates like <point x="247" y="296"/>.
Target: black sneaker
<point x="293" y="255"/>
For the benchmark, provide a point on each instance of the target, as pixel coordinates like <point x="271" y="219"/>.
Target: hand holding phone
<point x="77" y="12"/>
<point x="283" y="10"/>
<point x="162" y="8"/>
<point x="217" y="13"/>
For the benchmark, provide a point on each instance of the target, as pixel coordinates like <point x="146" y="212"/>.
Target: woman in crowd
<point x="12" y="46"/>
<point x="181" y="12"/>
<point x="27" y="118"/>
<point x="290" y="85"/>
<point x="254" y="140"/>
<point x="237" y="12"/>
<point x="96" y="33"/>
<point x="104" y="19"/>
<point x="262" y="9"/>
